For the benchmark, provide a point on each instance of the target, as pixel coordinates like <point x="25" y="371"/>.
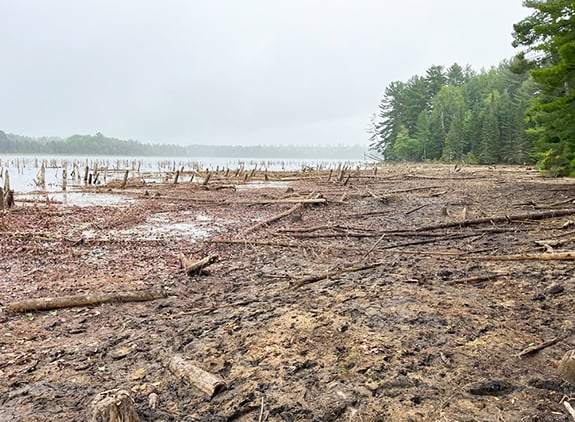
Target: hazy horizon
<point x="229" y="73"/>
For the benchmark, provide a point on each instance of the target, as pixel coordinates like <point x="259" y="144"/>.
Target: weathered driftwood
<point x="498" y="219"/>
<point x="318" y="277"/>
<point x="273" y="219"/>
<point x="114" y="406"/>
<point x="193" y="267"/>
<point x="48" y="303"/>
<point x="204" y="381"/>
<point x="538" y="347"/>
<point x="558" y="256"/>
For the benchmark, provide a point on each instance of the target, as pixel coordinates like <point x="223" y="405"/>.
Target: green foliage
<point x="458" y="115"/>
<point x="548" y="36"/>
<point x="84" y="144"/>
<point x="406" y="148"/>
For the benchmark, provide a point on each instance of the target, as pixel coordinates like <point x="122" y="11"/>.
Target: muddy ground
<point x="431" y="329"/>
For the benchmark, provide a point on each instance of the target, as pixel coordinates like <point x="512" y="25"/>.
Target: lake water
<point x="24" y="171"/>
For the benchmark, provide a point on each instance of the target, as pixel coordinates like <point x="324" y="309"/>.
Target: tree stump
<point x="114" y="406"/>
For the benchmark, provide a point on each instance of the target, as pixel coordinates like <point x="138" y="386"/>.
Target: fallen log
<point x="49" y="303"/>
<point x="204" y="381"/>
<point x="273" y="219"/>
<point x="559" y="256"/>
<point x="498" y="219"/>
<point x="193" y="267"/>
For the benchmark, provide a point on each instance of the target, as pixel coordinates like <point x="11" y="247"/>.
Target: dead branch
<point x="208" y="383"/>
<point x="318" y="277"/>
<point x="411" y="211"/>
<point x="192" y="267"/>
<point x="433" y="240"/>
<point x="273" y="219"/>
<point x="340" y="234"/>
<point x="538" y="347"/>
<point x="559" y="256"/>
<point x="498" y="219"/>
<point x="374" y="245"/>
<point x="250" y="242"/>
<point x="318" y="228"/>
<point x="48" y="303"/>
<point x="412" y="189"/>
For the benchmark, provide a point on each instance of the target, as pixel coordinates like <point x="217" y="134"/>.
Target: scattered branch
<point x="498" y="219"/>
<point x="48" y="303"/>
<point x="559" y="256"/>
<point x="538" y="347"/>
<point x="193" y="267"/>
<point x="323" y="276"/>
<point x="273" y="219"/>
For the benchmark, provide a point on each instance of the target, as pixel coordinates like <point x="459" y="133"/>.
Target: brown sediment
<point x="410" y="293"/>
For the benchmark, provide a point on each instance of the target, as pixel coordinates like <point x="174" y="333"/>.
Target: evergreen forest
<point x="518" y="112"/>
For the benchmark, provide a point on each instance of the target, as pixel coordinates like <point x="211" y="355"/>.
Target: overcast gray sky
<point x="229" y="71"/>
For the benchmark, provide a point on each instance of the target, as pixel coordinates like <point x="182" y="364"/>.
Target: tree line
<point x="101" y="145"/>
<point x="518" y="112"/>
<point x="456" y="114"/>
<point x="97" y="144"/>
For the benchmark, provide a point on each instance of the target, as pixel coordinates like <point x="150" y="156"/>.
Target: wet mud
<point x="406" y="294"/>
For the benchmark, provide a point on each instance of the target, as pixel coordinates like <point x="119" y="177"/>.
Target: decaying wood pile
<point x="410" y="293"/>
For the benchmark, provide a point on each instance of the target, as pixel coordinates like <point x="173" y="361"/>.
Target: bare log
<point x="498" y="219"/>
<point x="273" y="219"/>
<point x="48" y="303"/>
<point x="114" y="406"/>
<point x="559" y="256"/>
<point x="194" y="267"/>
<point x="204" y="381"/>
